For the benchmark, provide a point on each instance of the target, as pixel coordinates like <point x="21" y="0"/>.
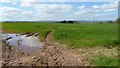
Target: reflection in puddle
<point x="26" y="44"/>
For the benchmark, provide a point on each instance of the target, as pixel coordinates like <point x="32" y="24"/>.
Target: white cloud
<point x="31" y="0"/>
<point x="97" y="11"/>
<point x="41" y="12"/>
<point x="81" y="7"/>
<point x="72" y="0"/>
<point x="8" y="9"/>
<point x="10" y="13"/>
<point x="58" y="0"/>
<point x="96" y="7"/>
<point x="25" y="4"/>
<point x="81" y="12"/>
<point x="5" y="0"/>
<point x="14" y="3"/>
<point x="28" y="3"/>
<point x="106" y="7"/>
<point x="110" y="6"/>
<point x="52" y="7"/>
<point x="49" y="11"/>
<point x="109" y="10"/>
<point x="52" y="11"/>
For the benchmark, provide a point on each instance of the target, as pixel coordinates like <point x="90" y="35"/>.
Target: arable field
<point x="74" y="35"/>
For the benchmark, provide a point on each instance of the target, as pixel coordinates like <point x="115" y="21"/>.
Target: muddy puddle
<point x="23" y="42"/>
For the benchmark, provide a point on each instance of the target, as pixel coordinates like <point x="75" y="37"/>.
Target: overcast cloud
<point x="34" y="10"/>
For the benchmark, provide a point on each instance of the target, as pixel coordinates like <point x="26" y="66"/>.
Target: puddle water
<point x="26" y="44"/>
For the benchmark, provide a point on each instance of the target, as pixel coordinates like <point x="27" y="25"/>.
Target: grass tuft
<point x="104" y="61"/>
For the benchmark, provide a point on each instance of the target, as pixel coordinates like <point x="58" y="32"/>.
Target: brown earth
<point x="53" y="54"/>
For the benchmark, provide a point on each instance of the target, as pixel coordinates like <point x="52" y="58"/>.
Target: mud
<point x="52" y="54"/>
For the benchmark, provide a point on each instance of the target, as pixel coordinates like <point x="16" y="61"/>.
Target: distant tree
<point x="64" y="21"/>
<point x="117" y="21"/>
<point x="110" y="21"/>
<point x="70" y="21"/>
<point x="67" y="21"/>
<point x="100" y="22"/>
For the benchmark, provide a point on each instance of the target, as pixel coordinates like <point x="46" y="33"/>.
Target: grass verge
<point x="104" y="61"/>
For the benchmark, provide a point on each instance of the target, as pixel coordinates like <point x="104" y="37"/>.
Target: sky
<point x="44" y="10"/>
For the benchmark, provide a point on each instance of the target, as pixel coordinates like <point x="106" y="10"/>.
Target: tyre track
<point x="52" y="54"/>
<point x="58" y="54"/>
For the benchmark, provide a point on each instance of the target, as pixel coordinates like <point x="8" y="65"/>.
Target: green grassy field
<point x="105" y="61"/>
<point x="74" y="35"/>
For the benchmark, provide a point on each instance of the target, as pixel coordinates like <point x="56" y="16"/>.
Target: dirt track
<point x="52" y="54"/>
